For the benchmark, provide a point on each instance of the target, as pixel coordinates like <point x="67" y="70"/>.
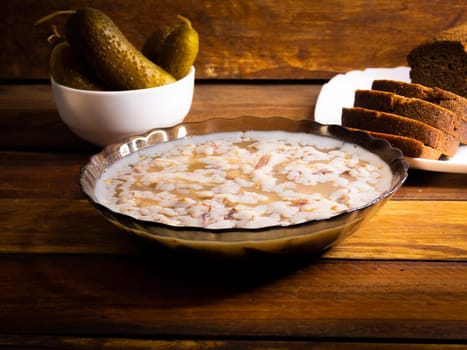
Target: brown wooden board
<point x="78" y="343"/>
<point x="410" y="230"/>
<point x="267" y="39"/>
<point x="178" y="298"/>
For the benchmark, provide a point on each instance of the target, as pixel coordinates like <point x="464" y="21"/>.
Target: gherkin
<point x="109" y="54"/>
<point x="66" y="69"/>
<point x="179" y="49"/>
<point x="152" y="47"/>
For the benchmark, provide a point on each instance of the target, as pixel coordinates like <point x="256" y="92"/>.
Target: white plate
<point x="339" y="92"/>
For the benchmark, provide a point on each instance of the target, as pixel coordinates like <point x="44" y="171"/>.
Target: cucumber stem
<point x="53" y="15"/>
<point x="55" y="36"/>
<point x="184" y="20"/>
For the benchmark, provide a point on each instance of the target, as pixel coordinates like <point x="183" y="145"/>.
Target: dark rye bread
<point x="443" y="98"/>
<point x="410" y="147"/>
<point x="442" y="61"/>
<point x="413" y="108"/>
<point x="372" y="120"/>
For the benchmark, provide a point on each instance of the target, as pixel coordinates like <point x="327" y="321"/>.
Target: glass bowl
<point x="311" y="237"/>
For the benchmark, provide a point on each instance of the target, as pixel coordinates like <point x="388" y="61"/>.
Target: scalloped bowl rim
<point x="160" y="231"/>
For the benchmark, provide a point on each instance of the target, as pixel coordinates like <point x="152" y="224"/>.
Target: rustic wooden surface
<point x="267" y="39"/>
<point x="70" y="280"/>
<point x="78" y="343"/>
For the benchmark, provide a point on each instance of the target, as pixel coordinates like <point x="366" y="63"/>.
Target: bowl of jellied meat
<point x="245" y="186"/>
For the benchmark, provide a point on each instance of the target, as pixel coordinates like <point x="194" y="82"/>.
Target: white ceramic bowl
<point x="105" y="117"/>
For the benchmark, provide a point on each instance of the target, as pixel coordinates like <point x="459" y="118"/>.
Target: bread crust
<point x="389" y="123"/>
<point x="442" y="61"/>
<point x="412" y="108"/>
<point x="446" y="99"/>
<point x="409" y="147"/>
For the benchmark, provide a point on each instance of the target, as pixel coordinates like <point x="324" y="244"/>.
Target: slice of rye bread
<point x="389" y="123"/>
<point x="443" y="98"/>
<point x="413" y="108"/>
<point x="441" y="61"/>
<point x="410" y="147"/>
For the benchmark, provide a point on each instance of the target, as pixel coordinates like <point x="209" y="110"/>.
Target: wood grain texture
<point x="263" y="39"/>
<point x="29" y="120"/>
<point x="410" y="230"/>
<point x="71" y="280"/>
<point x="176" y="298"/>
<point x="79" y="343"/>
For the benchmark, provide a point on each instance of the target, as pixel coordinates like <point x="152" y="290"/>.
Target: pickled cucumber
<point x="152" y="47"/>
<point x="109" y="54"/>
<point x="65" y="69"/>
<point x="179" y="49"/>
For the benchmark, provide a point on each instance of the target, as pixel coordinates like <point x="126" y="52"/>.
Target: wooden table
<point x="69" y="279"/>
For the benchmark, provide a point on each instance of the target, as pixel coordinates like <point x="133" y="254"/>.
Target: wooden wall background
<point x="248" y="39"/>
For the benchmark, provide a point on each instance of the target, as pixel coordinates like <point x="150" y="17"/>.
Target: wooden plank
<point x="267" y="39"/>
<point x="433" y="185"/>
<point x="29" y="120"/>
<point x="78" y="343"/>
<point x="61" y="226"/>
<point x="40" y="175"/>
<point x="210" y="100"/>
<point x="291" y="100"/>
<point x="178" y="298"/>
<point x="411" y="230"/>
